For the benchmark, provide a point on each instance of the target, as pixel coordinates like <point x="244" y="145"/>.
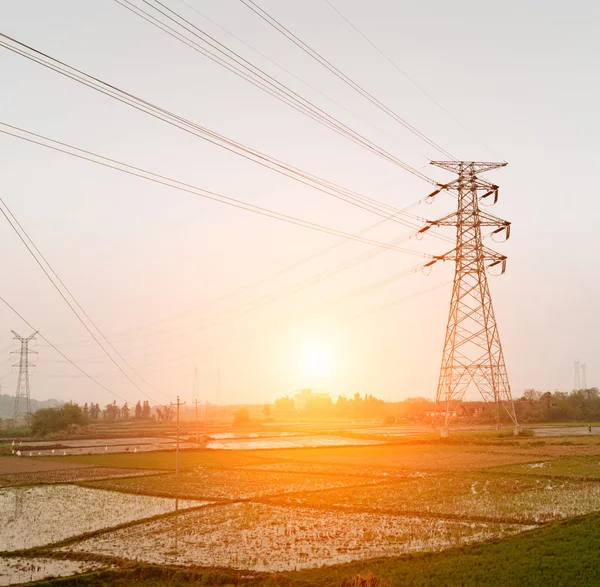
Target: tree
<point x="532" y="395"/>
<point x="96" y="411"/>
<point x="125" y="411"/>
<point x="110" y="412"/>
<point x="138" y="411"/>
<point x="146" y="410"/>
<point x="48" y="420"/>
<point x="86" y="411"/>
<point x="267" y="410"/>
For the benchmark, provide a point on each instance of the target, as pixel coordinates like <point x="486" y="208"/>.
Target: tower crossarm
<point x="473" y="166"/>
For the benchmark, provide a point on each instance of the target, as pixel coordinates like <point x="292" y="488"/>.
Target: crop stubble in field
<point x="16" y="570"/>
<point x="35" y="516"/>
<point x="69" y="475"/>
<point x="261" y="537"/>
<point x="474" y="495"/>
<point x="241" y="483"/>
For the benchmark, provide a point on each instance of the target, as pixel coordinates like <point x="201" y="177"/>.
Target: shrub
<point x="48" y="420"/>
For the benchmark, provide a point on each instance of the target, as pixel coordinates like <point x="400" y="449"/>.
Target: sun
<point x="318" y="360"/>
<point x="314" y="364"/>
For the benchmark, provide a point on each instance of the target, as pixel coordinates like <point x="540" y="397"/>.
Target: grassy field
<point x="478" y="508"/>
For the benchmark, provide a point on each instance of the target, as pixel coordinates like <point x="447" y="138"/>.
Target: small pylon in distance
<point x="22" y="405"/>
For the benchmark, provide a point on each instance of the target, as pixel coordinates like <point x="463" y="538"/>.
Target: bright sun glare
<point x="318" y="360"/>
<point x="315" y="364"/>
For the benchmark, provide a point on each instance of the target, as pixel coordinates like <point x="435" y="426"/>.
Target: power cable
<point x="404" y="74"/>
<point x="315" y="182"/>
<point x="339" y="74"/>
<point x="290" y="73"/>
<point x="64" y="297"/>
<point x="259" y="78"/>
<point x="241" y="289"/>
<point x="191" y="189"/>
<point x="264" y="300"/>
<point x="250" y="333"/>
<point x="90" y="377"/>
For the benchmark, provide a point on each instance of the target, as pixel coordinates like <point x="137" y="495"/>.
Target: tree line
<point x="69" y="416"/>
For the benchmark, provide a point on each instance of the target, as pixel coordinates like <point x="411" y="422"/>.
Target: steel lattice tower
<point x="472" y="349"/>
<point x="22" y="394"/>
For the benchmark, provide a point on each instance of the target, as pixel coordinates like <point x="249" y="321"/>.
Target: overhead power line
<point x="256" y="332"/>
<point x="330" y="188"/>
<point x="405" y="75"/>
<point x="54" y="278"/>
<point x="252" y="332"/>
<point x="241" y="289"/>
<point x="90" y="377"/>
<point x="264" y="15"/>
<point x="269" y="299"/>
<point x="91" y="157"/>
<point x="232" y="61"/>
<point x="290" y="73"/>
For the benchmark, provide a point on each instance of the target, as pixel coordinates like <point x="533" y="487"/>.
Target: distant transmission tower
<point x="219" y="398"/>
<point x="576" y="375"/>
<point x="472" y="349"/>
<point x="22" y="405"/>
<point x="579" y="379"/>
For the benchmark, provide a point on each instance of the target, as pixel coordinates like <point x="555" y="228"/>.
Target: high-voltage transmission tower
<point x="472" y="349"/>
<point x="580" y="379"/>
<point x="22" y="407"/>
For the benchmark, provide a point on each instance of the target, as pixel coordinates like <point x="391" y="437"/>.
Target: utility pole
<point x="472" y="349"/>
<point x="196" y="393"/>
<point x="206" y="418"/>
<point x="22" y="393"/>
<point x="177" y="449"/>
<point x="196" y="401"/>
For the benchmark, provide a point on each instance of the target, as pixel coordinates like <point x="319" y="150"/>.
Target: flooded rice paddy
<point x="229" y="484"/>
<point x="288" y="441"/>
<point x="216" y="441"/>
<point x="494" y="498"/>
<point x="261" y="537"/>
<point x="37" y="516"/>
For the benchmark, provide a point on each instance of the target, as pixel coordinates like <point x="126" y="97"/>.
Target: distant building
<point x="305" y="398"/>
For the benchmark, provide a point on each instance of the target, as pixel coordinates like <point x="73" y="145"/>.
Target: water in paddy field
<point x="217" y="441"/>
<point x="262" y="537"/>
<point x="286" y="442"/>
<point x="30" y="514"/>
<point x="566" y="431"/>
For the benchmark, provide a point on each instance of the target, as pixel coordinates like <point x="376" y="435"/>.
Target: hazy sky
<point x="147" y="262"/>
